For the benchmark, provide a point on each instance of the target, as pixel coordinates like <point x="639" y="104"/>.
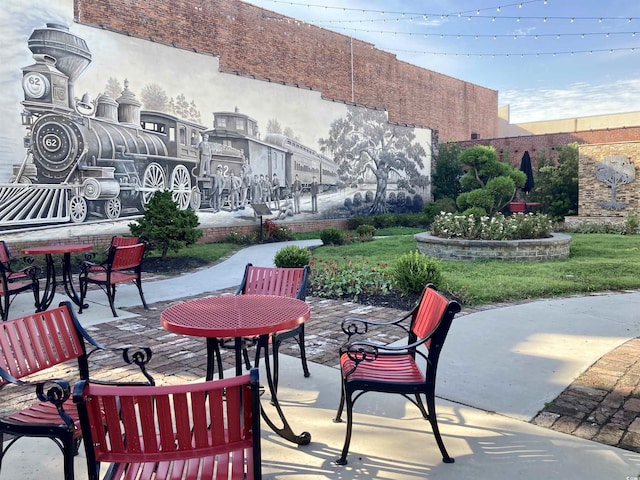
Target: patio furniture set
<point x="208" y="429"/>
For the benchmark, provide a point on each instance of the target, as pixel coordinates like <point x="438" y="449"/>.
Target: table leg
<point x="50" y="286"/>
<point x="213" y="358"/>
<point x="67" y="280"/>
<point x="285" y="431"/>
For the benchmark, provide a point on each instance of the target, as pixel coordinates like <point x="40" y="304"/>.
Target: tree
<point x="113" y="88"/>
<point x="154" y="97"/>
<point x="447" y="172"/>
<point x="557" y="185"/>
<point x="182" y="106"/>
<point x="489" y="183"/>
<point x="615" y="171"/>
<point x="364" y="140"/>
<point x="273" y="126"/>
<point x="164" y="226"/>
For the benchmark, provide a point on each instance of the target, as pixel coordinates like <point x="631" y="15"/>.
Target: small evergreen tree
<point x="447" y="171"/>
<point x="164" y="226"/>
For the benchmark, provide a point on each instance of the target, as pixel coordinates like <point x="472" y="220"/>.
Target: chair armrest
<point x="86" y="266"/>
<point x="131" y="355"/>
<point x="359" y="326"/>
<point x="30" y="271"/>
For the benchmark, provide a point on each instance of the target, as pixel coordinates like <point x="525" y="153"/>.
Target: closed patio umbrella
<point x="525" y="166"/>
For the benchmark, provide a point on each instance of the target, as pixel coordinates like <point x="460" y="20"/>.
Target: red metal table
<point x="240" y="316"/>
<point x="52" y="282"/>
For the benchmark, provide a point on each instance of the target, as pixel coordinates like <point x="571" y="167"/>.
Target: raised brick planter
<point x="554" y="248"/>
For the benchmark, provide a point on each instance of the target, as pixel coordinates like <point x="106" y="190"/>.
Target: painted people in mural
<point x="286" y="210"/>
<point x="204" y="152"/>
<point x="235" y="185"/>
<point x="256" y="190"/>
<point x="315" y="189"/>
<point x="217" y="186"/>
<point x="275" y="191"/>
<point x="246" y="182"/>
<point x="265" y="184"/>
<point x="297" y="193"/>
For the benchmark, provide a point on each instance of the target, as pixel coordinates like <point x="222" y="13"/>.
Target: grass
<point x="598" y="262"/>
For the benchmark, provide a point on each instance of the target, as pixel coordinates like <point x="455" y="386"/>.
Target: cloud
<point x="580" y="99"/>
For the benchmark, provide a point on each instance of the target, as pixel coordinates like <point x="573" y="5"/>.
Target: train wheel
<point x="196" y="198"/>
<point x="112" y="208"/>
<point x="181" y="186"/>
<point x="153" y="180"/>
<point x="78" y="209"/>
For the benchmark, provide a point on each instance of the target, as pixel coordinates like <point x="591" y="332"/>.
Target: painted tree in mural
<point x="154" y="97"/>
<point x="364" y="140"/>
<point x="113" y="88"/>
<point x="615" y="171"/>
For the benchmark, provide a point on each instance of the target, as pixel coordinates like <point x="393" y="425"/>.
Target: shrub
<point x="631" y="224"/>
<point x="413" y="271"/>
<point x="368" y="196"/>
<point x="365" y="232"/>
<point x="498" y="227"/>
<point x="292" y="256"/>
<point x="348" y="203"/>
<point x="348" y="278"/>
<point x="357" y="199"/>
<point x="275" y="232"/>
<point x="239" y="239"/>
<point x="164" y="226"/>
<point x="446" y="205"/>
<point x="331" y="236"/>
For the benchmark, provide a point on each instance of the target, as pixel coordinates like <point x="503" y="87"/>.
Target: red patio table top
<point x="57" y="249"/>
<point x="235" y="315"/>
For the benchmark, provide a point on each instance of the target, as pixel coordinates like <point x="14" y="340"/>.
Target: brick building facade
<point x="254" y="42"/>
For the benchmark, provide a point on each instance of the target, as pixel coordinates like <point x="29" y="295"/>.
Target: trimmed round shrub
<point x="292" y="256"/>
<point x="357" y="199"/>
<point x="331" y="236"/>
<point x="414" y="270"/>
<point x="368" y="196"/>
<point x="348" y="203"/>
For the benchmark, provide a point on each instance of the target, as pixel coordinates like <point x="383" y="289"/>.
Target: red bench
<point x="35" y="344"/>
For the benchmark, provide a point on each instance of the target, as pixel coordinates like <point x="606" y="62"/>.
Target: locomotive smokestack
<point x="70" y="51"/>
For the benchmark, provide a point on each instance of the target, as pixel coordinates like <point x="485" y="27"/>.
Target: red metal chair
<point x="285" y="282"/>
<point x="14" y="281"/>
<point x="33" y="344"/>
<point x="124" y="264"/>
<point x="208" y="430"/>
<point x="405" y="369"/>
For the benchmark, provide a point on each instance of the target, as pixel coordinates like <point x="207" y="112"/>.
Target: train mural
<point x="105" y="158"/>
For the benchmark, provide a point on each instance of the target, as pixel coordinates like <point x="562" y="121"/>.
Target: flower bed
<point x="554" y="247"/>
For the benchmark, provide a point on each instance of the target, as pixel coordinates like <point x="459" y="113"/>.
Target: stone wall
<point x="542" y="249"/>
<point x="618" y="165"/>
<point x="258" y="43"/>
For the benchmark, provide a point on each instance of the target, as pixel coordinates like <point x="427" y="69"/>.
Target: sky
<point x="548" y="59"/>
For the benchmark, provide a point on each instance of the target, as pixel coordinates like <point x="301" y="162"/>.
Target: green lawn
<point x="598" y="262"/>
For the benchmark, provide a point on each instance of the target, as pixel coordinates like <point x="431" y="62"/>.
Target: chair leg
<point x="139" y="285"/>
<point x="111" y="294"/>
<point x="68" y="452"/>
<point x="36" y="295"/>
<point x="347" y="439"/>
<point x="431" y="405"/>
<point x="4" y="307"/>
<point x="303" y="352"/>
<point x="83" y="292"/>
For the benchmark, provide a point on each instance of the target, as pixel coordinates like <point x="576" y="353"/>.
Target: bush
<point x="164" y="226"/>
<point x="348" y="278"/>
<point x="365" y="232"/>
<point x="331" y="236"/>
<point x="292" y="256"/>
<point x="357" y="199"/>
<point x="275" y="232"/>
<point x="447" y="205"/>
<point x="413" y="271"/>
<point x="239" y="239"/>
<point x="498" y="227"/>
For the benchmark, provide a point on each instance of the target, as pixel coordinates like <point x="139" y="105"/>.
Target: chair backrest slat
<point x="431" y="309"/>
<point x="32" y="343"/>
<point x="173" y="422"/>
<point x="127" y="257"/>
<point x="285" y="282"/>
<point x="5" y="257"/>
<point x="120" y="241"/>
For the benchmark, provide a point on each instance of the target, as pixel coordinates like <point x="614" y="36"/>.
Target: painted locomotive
<point x="107" y="157"/>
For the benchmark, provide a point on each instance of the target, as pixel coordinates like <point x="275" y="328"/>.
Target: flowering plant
<point x="473" y="227"/>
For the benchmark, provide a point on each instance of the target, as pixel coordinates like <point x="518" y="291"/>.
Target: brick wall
<point x="254" y="42"/>
<point x="545" y="145"/>
<point x="593" y="193"/>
